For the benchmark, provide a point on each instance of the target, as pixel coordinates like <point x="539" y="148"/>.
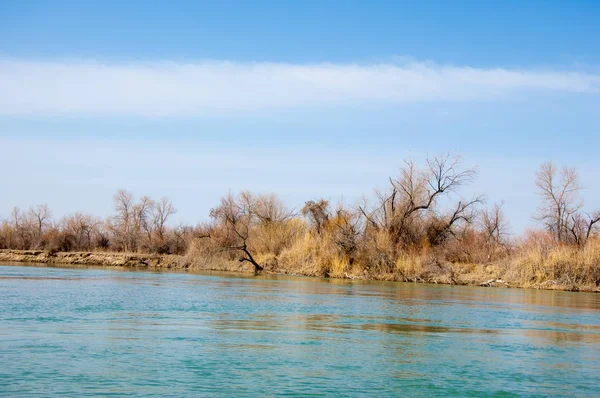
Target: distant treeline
<point x="418" y="229"/>
<point x="136" y="226"/>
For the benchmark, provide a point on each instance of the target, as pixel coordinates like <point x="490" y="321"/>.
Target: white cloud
<point x="217" y="87"/>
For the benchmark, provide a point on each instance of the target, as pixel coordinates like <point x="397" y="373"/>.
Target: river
<point x="78" y="332"/>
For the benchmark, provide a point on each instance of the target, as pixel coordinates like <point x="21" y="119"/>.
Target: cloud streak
<point x="175" y="89"/>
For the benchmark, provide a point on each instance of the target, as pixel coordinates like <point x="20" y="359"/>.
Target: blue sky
<point x="190" y="99"/>
<point x="477" y="33"/>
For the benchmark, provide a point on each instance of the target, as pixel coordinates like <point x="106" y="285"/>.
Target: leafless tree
<point x="19" y="223"/>
<point x="141" y="220"/>
<point x="41" y="216"/>
<point x="140" y="225"/>
<point x="459" y="218"/>
<point x="82" y="228"/>
<point x="123" y="223"/>
<point x="346" y="230"/>
<point x="273" y="232"/>
<point x="7" y="234"/>
<point x="235" y="218"/>
<point x="161" y="212"/>
<point x="561" y="204"/>
<point x="583" y="226"/>
<point x="153" y="217"/>
<point x="317" y="213"/>
<point x="494" y="225"/>
<point x="412" y="201"/>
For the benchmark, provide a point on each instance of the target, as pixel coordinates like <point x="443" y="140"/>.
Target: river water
<point x="77" y="332"/>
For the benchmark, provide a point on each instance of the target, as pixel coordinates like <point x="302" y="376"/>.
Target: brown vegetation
<point x="418" y="229"/>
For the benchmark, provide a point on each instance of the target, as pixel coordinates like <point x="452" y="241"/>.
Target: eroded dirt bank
<point x="103" y="259"/>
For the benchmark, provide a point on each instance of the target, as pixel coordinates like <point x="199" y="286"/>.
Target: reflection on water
<point x="96" y="331"/>
<point x="339" y="324"/>
<point x="559" y="337"/>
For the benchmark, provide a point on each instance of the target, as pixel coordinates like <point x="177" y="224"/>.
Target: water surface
<point x="76" y="332"/>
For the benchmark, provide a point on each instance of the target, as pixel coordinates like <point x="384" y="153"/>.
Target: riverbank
<point x="110" y="259"/>
<point x="89" y="258"/>
<point x="491" y="275"/>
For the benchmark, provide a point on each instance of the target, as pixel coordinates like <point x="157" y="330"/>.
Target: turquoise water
<point x="77" y="332"/>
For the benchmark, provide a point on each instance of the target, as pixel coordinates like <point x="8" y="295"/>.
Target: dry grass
<point x="318" y="255"/>
<point x="538" y="263"/>
<point x="310" y="254"/>
<point x="411" y="266"/>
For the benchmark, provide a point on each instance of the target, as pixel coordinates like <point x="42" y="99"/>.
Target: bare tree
<point x="317" y="213"/>
<point x="141" y="220"/>
<point x="235" y="218"/>
<point x="20" y="226"/>
<point x="583" y="226"/>
<point x="273" y="230"/>
<point x="345" y="230"/>
<point x="560" y="199"/>
<point x="8" y="233"/>
<point x="137" y="225"/>
<point x="462" y="216"/>
<point x="82" y="228"/>
<point x="412" y="201"/>
<point x="494" y="225"/>
<point x="494" y="230"/>
<point x="181" y="237"/>
<point x="161" y="213"/>
<point x="122" y="221"/>
<point x="41" y="215"/>
<point x="153" y="218"/>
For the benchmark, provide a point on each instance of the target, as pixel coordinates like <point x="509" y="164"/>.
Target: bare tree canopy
<point x="141" y="224"/>
<point x="560" y="208"/>
<point x="235" y="217"/>
<point x="494" y="224"/>
<point x="40" y="215"/>
<point x="161" y="212"/>
<point x="413" y="199"/>
<point x="317" y="213"/>
<point x="83" y="229"/>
